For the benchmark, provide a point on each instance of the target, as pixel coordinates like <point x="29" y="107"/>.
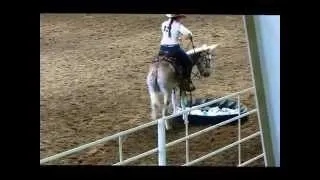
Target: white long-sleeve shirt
<point x="177" y="29"/>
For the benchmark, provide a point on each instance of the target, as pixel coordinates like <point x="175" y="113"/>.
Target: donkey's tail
<point x="153" y="80"/>
<point x="156" y="85"/>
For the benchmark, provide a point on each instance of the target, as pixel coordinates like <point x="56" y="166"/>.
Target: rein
<point x="194" y="51"/>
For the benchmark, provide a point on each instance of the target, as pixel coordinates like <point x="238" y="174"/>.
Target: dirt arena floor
<point x="93" y="70"/>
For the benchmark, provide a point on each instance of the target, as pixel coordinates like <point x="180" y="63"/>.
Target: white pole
<point x="185" y="118"/>
<point x="161" y="142"/>
<point x="239" y="132"/>
<point x="186" y="122"/>
<point x="120" y="149"/>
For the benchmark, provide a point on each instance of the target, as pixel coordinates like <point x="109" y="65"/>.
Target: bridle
<point x="204" y="57"/>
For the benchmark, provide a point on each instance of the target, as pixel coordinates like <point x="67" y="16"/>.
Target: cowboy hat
<point x="175" y="15"/>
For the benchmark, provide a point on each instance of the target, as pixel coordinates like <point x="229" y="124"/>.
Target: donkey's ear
<point x="214" y="46"/>
<point x="212" y="50"/>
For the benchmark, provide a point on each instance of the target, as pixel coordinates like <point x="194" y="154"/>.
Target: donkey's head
<point x="203" y="58"/>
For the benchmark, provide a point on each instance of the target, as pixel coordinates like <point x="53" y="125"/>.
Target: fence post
<point x="120" y="149"/>
<point x="264" y="58"/>
<point x="239" y="131"/>
<point x="186" y="122"/>
<point x="161" y="142"/>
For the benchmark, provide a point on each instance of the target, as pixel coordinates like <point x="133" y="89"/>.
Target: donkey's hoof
<point x="168" y="126"/>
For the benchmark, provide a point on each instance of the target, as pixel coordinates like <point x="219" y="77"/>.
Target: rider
<point x="172" y="29"/>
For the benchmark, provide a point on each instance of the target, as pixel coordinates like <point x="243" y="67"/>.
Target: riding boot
<point x="186" y="62"/>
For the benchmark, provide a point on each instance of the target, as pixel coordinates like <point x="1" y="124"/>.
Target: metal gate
<point x="162" y="145"/>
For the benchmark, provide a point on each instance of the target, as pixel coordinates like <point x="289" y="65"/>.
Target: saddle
<point x="164" y="56"/>
<point x="170" y="58"/>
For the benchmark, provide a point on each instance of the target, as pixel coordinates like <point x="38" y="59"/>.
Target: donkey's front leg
<point x="183" y="102"/>
<point x="174" y="101"/>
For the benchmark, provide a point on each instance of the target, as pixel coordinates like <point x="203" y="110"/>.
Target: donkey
<point x="163" y="79"/>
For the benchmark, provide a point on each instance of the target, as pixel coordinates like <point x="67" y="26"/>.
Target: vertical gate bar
<point x="161" y="142"/>
<point x="239" y="131"/>
<point x="186" y="122"/>
<point x="120" y="149"/>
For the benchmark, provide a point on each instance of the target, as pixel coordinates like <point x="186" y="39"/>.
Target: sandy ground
<point x="93" y="70"/>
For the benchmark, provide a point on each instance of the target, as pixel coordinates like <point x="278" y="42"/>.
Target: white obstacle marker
<point x="202" y="48"/>
<point x="214" y="111"/>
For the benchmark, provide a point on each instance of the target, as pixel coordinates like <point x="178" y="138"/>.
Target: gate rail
<point x="161" y="137"/>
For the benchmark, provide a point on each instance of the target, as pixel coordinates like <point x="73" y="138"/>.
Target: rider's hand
<point x="187" y="37"/>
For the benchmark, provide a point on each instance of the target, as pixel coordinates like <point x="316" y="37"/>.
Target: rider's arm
<point x="185" y="32"/>
<point x="162" y="27"/>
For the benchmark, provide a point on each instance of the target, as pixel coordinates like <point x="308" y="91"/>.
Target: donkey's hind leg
<point x="155" y="105"/>
<point x="166" y="103"/>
